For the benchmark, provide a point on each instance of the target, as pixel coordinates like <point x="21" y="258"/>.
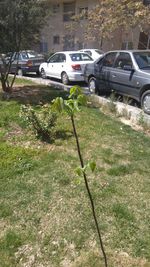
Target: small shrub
<point x="143" y="123"/>
<point x="125" y="113"/>
<point x="110" y="106"/>
<point x="41" y="121"/>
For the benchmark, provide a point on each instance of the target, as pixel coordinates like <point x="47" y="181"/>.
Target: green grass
<point x="45" y="217"/>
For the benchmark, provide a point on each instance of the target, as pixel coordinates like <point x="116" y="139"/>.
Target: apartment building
<point x="59" y="33"/>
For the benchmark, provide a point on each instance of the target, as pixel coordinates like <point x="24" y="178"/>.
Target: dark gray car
<point x="125" y="72"/>
<point x="25" y="62"/>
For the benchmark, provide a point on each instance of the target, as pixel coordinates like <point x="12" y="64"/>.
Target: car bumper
<point x="76" y="77"/>
<point x="30" y="69"/>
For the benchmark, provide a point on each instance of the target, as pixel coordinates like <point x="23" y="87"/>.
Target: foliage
<point x="42" y="121"/>
<point x="71" y="105"/>
<point x="20" y="25"/>
<point x="109" y="16"/>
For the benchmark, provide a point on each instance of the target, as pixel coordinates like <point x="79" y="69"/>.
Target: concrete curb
<point x="134" y="114"/>
<point x="47" y="82"/>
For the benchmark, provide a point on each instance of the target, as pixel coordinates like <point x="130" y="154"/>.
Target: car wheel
<point x="145" y="102"/>
<point x="20" y="72"/>
<point x="92" y="85"/>
<point x="38" y="73"/>
<point x="43" y="74"/>
<point x="64" y="78"/>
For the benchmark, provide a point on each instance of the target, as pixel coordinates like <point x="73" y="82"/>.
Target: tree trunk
<point x="5" y="87"/>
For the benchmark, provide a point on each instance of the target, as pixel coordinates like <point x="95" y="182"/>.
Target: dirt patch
<point x="33" y="94"/>
<point x="135" y="126"/>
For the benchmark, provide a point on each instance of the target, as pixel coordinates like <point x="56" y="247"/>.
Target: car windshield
<point x="80" y="57"/>
<point x="32" y="54"/>
<point x="142" y="59"/>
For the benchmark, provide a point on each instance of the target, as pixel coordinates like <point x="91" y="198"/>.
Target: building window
<point x="56" y="8"/>
<point x="83" y="12"/>
<point x="56" y="39"/>
<point x="68" y="11"/>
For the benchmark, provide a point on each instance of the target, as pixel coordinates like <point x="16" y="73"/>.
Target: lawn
<point x="45" y="216"/>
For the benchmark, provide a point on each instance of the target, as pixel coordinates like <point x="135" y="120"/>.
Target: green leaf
<point x="92" y="165"/>
<point x="79" y="171"/>
<point x="75" y="91"/>
<point x="58" y="104"/>
<point x="82" y="100"/>
<point x="76" y="106"/>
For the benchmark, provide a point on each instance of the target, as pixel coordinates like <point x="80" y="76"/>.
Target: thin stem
<point x="89" y="192"/>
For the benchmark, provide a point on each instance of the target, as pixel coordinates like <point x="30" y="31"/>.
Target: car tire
<point x="64" y="78"/>
<point x="145" y="102"/>
<point x="20" y="72"/>
<point x="38" y="73"/>
<point x="92" y="85"/>
<point x="43" y="74"/>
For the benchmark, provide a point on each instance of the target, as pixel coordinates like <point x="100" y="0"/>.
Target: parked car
<point x="24" y="62"/>
<point x="66" y="66"/>
<point x="125" y="72"/>
<point x="94" y="53"/>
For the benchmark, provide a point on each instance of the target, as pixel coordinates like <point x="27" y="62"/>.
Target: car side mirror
<point x="128" y="67"/>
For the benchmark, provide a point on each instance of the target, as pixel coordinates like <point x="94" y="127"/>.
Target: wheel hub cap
<point x="92" y="86"/>
<point x="146" y="103"/>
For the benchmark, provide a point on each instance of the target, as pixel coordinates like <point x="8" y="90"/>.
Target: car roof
<point x="68" y="52"/>
<point x="90" y="49"/>
<point x="130" y="51"/>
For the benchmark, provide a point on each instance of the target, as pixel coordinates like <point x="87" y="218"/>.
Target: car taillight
<point x="29" y="63"/>
<point x="76" y="66"/>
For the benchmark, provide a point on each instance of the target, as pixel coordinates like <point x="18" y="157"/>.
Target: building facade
<point x="60" y="34"/>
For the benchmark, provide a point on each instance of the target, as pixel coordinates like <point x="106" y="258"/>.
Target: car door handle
<point x="114" y="76"/>
<point x="62" y="66"/>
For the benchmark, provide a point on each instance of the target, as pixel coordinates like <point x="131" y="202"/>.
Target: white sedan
<point x="94" y="53"/>
<point x="66" y="66"/>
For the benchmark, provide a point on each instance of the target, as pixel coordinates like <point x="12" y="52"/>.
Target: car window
<point x="16" y="56"/>
<point x="80" y="57"/>
<point x="88" y="52"/>
<point x="100" y="61"/>
<point x="122" y="60"/>
<point x="142" y="59"/>
<point x="32" y="54"/>
<point x="20" y="56"/>
<point x="54" y="58"/>
<point x="109" y="59"/>
<point x="24" y="55"/>
<point x="62" y="58"/>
